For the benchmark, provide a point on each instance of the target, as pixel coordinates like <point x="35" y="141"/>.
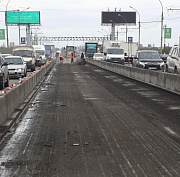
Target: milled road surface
<point x="88" y="122"/>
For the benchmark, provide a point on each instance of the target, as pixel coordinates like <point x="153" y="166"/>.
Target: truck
<point x="130" y="49"/>
<point x="49" y="51"/>
<point x="28" y="54"/>
<point x="90" y="49"/>
<point x="40" y="54"/>
<point x="119" y="51"/>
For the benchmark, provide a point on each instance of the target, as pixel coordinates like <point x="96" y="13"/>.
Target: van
<point x="173" y="60"/>
<point x="28" y="54"/>
<point x="40" y="54"/>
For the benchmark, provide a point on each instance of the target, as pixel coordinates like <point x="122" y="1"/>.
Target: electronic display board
<point x="118" y="18"/>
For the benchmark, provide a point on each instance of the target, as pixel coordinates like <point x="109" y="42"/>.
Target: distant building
<point x="12" y="44"/>
<point x="149" y="45"/>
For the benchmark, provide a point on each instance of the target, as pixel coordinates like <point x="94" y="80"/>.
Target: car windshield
<point x="100" y="55"/>
<point x="149" y="55"/>
<point x="14" y="61"/>
<point x="23" y="53"/>
<point x="115" y="51"/>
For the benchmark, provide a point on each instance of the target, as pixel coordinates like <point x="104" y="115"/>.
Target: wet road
<point x="88" y="122"/>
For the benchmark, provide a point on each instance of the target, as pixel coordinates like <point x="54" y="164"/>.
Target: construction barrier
<point x="167" y="81"/>
<point x="12" y="97"/>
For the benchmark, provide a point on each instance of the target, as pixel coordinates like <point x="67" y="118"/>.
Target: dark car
<point x="4" y="74"/>
<point x="148" y="59"/>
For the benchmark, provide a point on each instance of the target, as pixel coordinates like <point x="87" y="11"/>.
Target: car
<point x="40" y="60"/>
<point x="4" y="73"/>
<point x="6" y="55"/>
<point x="173" y="60"/>
<point x="16" y="66"/>
<point x="98" y="56"/>
<point x="148" y="59"/>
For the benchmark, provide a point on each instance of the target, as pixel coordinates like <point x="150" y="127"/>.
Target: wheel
<point x="25" y="74"/>
<point x="2" y="85"/>
<point x="6" y="84"/>
<point x="166" y="69"/>
<point x="33" y="69"/>
<point x="175" y="71"/>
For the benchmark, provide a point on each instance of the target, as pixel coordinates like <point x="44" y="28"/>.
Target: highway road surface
<point x="88" y="122"/>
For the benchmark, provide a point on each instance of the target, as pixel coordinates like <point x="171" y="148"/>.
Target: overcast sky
<point x="83" y="18"/>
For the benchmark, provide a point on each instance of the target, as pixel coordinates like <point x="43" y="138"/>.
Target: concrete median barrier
<point x="159" y="79"/>
<point x="15" y="96"/>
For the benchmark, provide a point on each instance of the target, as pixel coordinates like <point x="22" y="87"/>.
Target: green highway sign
<point x="2" y="34"/>
<point x="18" y="17"/>
<point x="167" y="33"/>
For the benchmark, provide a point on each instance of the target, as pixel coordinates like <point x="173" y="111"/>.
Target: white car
<point x="98" y="56"/>
<point x="173" y="60"/>
<point x="16" y="66"/>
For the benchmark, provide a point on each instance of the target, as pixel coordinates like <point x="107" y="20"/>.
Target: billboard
<point x="118" y="18"/>
<point x="22" y="18"/>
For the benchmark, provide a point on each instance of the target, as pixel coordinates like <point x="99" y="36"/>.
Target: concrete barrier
<point x="163" y="80"/>
<point x="15" y="96"/>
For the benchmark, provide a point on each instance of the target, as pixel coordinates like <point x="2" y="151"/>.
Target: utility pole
<point x="7" y="25"/>
<point x="162" y="18"/>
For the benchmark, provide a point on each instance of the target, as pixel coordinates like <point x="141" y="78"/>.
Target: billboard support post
<point x="128" y="18"/>
<point x="28" y="35"/>
<point x="112" y="37"/>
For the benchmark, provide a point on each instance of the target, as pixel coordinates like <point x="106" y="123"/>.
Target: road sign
<point x="23" y="40"/>
<point x="167" y="33"/>
<point x="2" y="34"/>
<point x="130" y="39"/>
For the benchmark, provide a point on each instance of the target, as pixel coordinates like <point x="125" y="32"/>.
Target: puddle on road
<point x="110" y="77"/>
<point x="174" y="107"/>
<point x="148" y="94"/>
<point x="99" y="71"/>
<point x="128" y="84"/>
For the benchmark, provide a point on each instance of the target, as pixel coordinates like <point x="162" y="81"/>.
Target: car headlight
<point x="20" y="69"/>
<point x="142" y="63"/>
<point x="162" y="63"/>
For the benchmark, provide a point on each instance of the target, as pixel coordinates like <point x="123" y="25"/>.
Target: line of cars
<point x="11" y="67"/>
<point x="146" y="59"/>
<point x="151" y="59"/>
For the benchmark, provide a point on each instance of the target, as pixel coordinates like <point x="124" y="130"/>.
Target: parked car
<point x="4" y="74"/>
<point x="16" y="66"/>
<point x="173" y="60"/>
<point x="148" y="59"/>
<point x="98" y="56"/>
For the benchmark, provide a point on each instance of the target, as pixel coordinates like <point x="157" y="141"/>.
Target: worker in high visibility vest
<point x="61" y="58"/>
<point x="72" y="57"/>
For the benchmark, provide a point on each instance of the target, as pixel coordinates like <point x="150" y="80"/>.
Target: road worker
<point x="61" y="58"/>
<point x="72" y="57"/>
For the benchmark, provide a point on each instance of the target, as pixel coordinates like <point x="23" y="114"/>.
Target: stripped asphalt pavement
<point x="88" y="122"/>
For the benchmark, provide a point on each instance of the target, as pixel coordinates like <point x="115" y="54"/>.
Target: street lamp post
<point x="162" y="18"/>
<point x="106" y="33"/>
<point x="126" y="24"/>
<point x="7" y="26"/>
<point x="139" y="27"/>
<point x="102" y="35"/>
